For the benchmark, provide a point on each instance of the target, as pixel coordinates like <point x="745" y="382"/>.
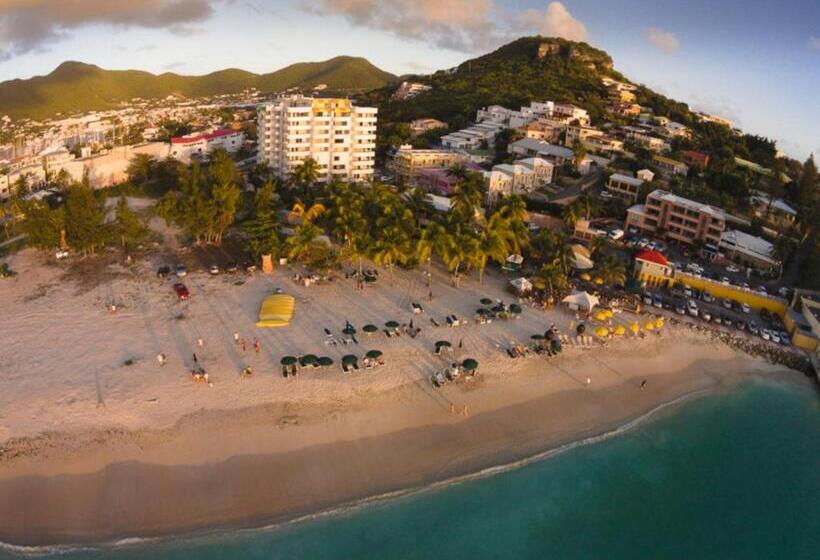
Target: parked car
<point x="657" y="301"/>
<point x="717" y="319"/>
<point x="616" y="234"/>
<point x="647" y="298"/>
<point x="775" y="337"/>
<point x="727" y="303"/>
<point x="643" y="243"/>
<point x="692" y="308"/>
<point x="214" y="270"/>
<point x="708" y="298"/>
<point x="732" y="268"/>
<point x="740" y="325"/>
<point x="680" y="308"/>
<point x="181" y="291"/>
<point x="785" y="339"/>
<point x="753" y="328"/>
<point x="725" y="281"/>
<point x="765" y="334"/>
<point x="231" y="267"/>
<point x="762" y="290"/>
<point x="705" y="315"/>
<point x="783" y="292"/>
<point x="687" y="291"/>
<point x="745" y="308"/>
<point x="727" y="320"/>
<point x="181" y="271"/>
<point x="606" y="195"/>
<point x="164" y="271"/>
<point x="765" y="315"/>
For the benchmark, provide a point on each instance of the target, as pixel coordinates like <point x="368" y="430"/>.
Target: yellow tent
<point x="602" y="331"/>
<point x="276" y="311"/>
<point x="620" y="330"/>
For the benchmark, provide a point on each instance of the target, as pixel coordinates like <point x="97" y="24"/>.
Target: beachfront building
<point x="198" y="146"/>
<point x="670" y="166"/>
<point x="652" y="268"/>
<point x="338" y="135"/>
<point x="802" y="320"/>
<point x="408" y="161"/>
<point x="679" y="219"/>
<point x="748" y="250"/>
<point x="420" y="126"/>
<point x="624" y="187"/>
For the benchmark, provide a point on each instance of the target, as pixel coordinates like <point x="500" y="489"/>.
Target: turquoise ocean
<point x="725" y="476"/>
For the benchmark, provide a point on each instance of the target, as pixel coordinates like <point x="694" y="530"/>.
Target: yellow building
<point x="802" y="320"/>
<point x="408" y="161"/>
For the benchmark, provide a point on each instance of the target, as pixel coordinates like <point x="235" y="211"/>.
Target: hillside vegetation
<point x="76" y="87"/>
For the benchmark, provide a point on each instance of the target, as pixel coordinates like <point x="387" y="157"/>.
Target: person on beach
<point x="161" y="358"/>
<point x="464" y="410"/>
<point x="256" y="345"/>
<point x="452" y="409"/>
<point x="200" y="342"/>
<point x="589" y="381"/>
<point x="195" y="360"/>
<point x="236" y="337"/>
<point x="643" y="384"/>
<point x="430" y="295"/>
<point x="243" y="344"/>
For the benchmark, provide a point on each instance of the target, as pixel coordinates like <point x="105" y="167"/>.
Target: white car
<point x="783" y="291"/>
<point x="775" y="337"/>
<point x="606" y="195"/>
<point x="214" y="270"/>
<point x="724" y="281"/>
<point x="705" y="315"/>
<point x="727" y="303"/>
<point x="707" y="297"/>
<point x="61" y="254"/>
<point x="692" y="308"/>
<point x="745" y="308"/>
<point x="616" y="234"/>
<point x="732" y="268"/>
<point x="762" y="289"/>
<point x="765" y="334"/>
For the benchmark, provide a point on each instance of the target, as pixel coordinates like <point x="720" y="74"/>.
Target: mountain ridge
<point x="74" y="87"/>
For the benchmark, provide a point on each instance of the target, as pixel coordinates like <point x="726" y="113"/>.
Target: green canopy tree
<point x="43" y="226"/>
<point x="85" y="227"/>
<point x="262" y="230"/>
<point x="127" y="225"/>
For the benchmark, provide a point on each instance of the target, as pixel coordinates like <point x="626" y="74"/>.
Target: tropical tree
<point x="85" y="227"/>
<point x="141" y="168"/>
<point x="570" y="214"/>
<point x="432" y="241"/>
<point x="305" y="175"/>
<point x="262" y="230"/>
<point x="127" y="225"/>
<point x="552" y="278"/>
<point x="611" y="270"/>
<point x="493" y="241"/>
<point x="579" y="152"/>
<point x="468" y="196"/>
<point x="44" y="227"/>
<point x="391" y="248"/>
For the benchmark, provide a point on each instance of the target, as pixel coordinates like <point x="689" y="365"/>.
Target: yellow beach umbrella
<point x="609" y="313"/>
<point x="586" y="277"/>
<point x="601" y="316"/>
<point x="634" y="327"/>
<point x="650" y="325"/>
<point x="602" y="331"/>
<point x="620" y="330"/>
<point x="659" y="323"/>
<point x="599" y="281"/>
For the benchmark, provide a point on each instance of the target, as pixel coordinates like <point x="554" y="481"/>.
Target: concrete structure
<point x="624" y="187"/>
<point x="577" y="133"/>
<point x="472" y="137"/>
<point x="407" y="161"/>
<point x="510" y="118"/>
<point x="528" y="147"/>
<point x="802" y="320"/>
<point x="652" y="268"/>
<point x="545" y="130"/>
<point x="420" y="126"/>
<point x="199" y="146"/>
<point x="408" y="90"/>
<point x="670" y="166"/>
<point x="518" y="178"/>
<point x="778" y="213"/>
<point x="748" y="250"/>
<point x="696" y="160"/>
<point x="338" y="135"/>
<point x="646" y="138"/>
<point x="678" y="219"/>
<point x="570" y="114"/>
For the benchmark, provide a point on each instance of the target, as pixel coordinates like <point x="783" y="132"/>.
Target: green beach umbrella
<point x="391" y="325"/>
<point x="498" y="309"/>
<point x="555" y="345"/>
<point x="483" y="311"/>
<point x="486" y="301"/>
<point x="370" y="279"/>
<point x="373" y="354"/>
<point x="537" y="337"/>
<point x="349" y="359"/>
<point x="288" y="360"/>
<point x="515" y="308"/>
<point x="370" y="328"/>
<point x="308" y="359"/>
<point x="325" y="361"/>
<point x="470" y="364"/>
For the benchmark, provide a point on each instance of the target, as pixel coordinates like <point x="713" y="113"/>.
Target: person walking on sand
<point x="256" y="345"/>
<point x="161" y="358"/>
<point x="243" y="344"/>
<point x="589" y="381"/>
<point x="236" y="337"/>
<point x="195" y="360"/>
<point x="452" y="409"/>
<point x="643" y="384"/>
<point x="464" y="410"/>
<point x="200" y="342"/>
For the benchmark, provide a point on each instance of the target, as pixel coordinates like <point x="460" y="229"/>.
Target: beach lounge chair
<point x="284" y="371"/>
<point x="438" y="379"/>
<point x="345" y="369"/>
<point x="435" y="323"/>
<point x="417" y="308"/>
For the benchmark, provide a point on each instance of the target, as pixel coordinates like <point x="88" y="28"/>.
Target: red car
<point x="181" y="291"/>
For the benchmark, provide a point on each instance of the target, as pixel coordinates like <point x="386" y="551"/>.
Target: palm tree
<point x="305" y="175"/>
<point x="579" y="152"/>
<point x="432" y="240"/>
<point x="492" y="242"/>
<point x="589" y="205"/>
<point x="570" y="215"/>
<point x="562" y="253"/>
<point x="301" y="246"/>
<point x="611" y="270"/>
<point x="596" y="246"/>
<point x="392" y="248"/>
<point x="306" y="213"/>
<point x="551" y="278"/>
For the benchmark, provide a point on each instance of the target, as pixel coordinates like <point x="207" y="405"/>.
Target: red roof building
<point x="650" y="255"/>
<point x="695" y="159"/>
<point x="206" y="137"/>
<point x="652" y="268"/>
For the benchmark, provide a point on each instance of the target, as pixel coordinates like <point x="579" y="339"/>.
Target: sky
<point x="754" y="62"/>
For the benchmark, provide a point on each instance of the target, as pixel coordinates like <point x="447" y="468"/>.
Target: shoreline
<point x="269" y="489"/>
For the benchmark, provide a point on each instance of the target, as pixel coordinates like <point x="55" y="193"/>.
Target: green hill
<point x="76" y="87"/>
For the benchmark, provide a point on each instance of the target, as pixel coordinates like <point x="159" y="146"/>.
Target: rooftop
<point x="687" y="203"/>
<point x="652" y="256"/>
<point x="746" y="243"/>
<point x="626" y="179"/>
<point x="209" y="136"/>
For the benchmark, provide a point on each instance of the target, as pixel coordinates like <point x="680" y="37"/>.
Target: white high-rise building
<point x="338" y="135"/>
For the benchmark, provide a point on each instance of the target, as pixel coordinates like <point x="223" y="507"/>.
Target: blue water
<point x="726" y="476"/>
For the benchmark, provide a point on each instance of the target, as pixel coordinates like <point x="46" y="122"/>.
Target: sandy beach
<point x="93" y="449"/>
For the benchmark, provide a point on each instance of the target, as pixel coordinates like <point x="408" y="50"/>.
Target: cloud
<point x="28" y="25"/>
<point x="814" y="42"/>
<point x="555" y="21"/>
<point x="463" y="25"/>
<point x="663" y="40"/>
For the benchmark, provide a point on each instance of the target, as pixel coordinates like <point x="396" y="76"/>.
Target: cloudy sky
<point x="755" y="62"/>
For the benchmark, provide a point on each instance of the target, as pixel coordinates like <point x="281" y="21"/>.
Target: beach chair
<point x="345" y="369"/>
<point x="435" y="323"/>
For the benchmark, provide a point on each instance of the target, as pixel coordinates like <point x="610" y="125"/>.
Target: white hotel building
<point x="335" y="133"/>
